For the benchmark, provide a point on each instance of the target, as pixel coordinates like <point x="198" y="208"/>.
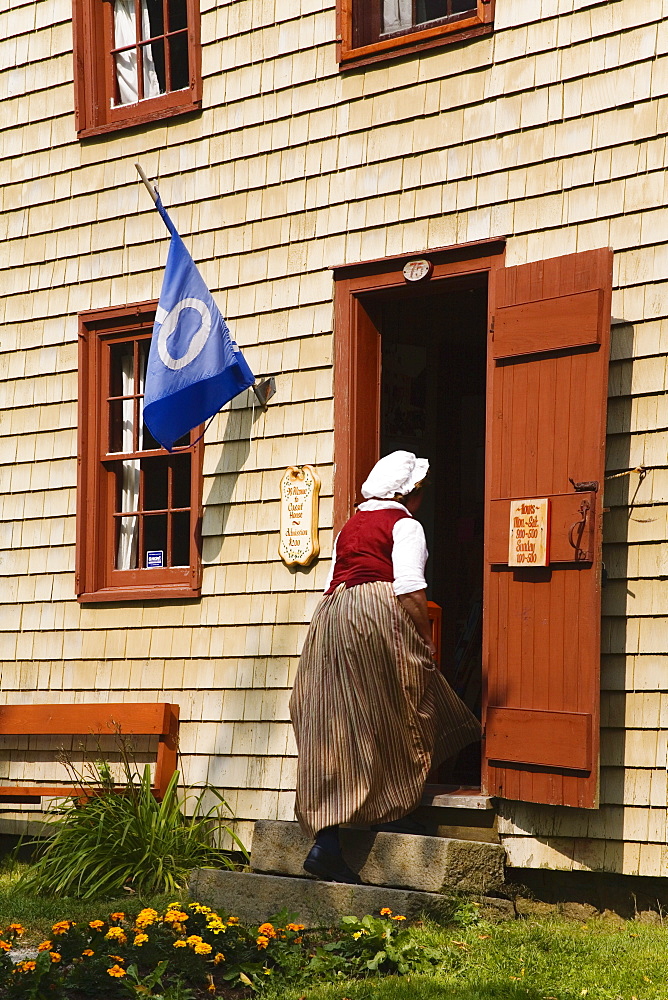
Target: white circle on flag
<point x="198" y="341"/>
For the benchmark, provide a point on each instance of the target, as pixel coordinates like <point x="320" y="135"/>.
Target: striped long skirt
<point x="371" y="712"/>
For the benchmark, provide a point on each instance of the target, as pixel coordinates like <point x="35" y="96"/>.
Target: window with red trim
<point x="139" y="507"/>
<point x="371" y="30"/>
<point x="135" y="61"/>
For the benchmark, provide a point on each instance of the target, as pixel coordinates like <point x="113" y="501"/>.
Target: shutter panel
<point x="546" y="432"/>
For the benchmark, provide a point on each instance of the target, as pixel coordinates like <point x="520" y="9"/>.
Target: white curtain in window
<point x="126" y="557"/>
<point x="397" y="15"/>
<point x="125" y="33"/>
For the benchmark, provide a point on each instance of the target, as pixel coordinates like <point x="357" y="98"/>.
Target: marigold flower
<point x="211" y="988"/>
<point x="97" y="925"/>
<point x="199" y="908"/>
<point x="44" y="946"/>
<point x="55" y="956"/>
<point x="262" y="941"/>
<point x="193" y="940"/>
<point x="117" y="916"/>
<point x="215" y="924"/>
<point x="295" y="927"/>
<point x="174" y="917"/>
<point x="386" y="912"/>
<point x="232" y="920"/>
<point x="88" y="952"/>
<point x="62" y="927"/>
<point x="5" y="946"/>
<point x="116" y="934"/>
<point x="203" y="948"/>
<point x="27" y="966"/>
<point x="145" y="918"/>
<point x="180" y="944"/>
<point x="398" y="917"/>
<point x="116" y="958"/>
<point x="267" y="930"/>
<point x="139" y="940"/>
<point x="116" y="971"/>
<point x="298" y="940"/>
<point x="219" y="958"/>
<point x="16" y="929"/>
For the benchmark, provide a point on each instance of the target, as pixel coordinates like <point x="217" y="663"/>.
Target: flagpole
<point x="147" y="184"/>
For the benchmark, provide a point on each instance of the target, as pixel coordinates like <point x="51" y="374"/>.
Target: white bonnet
<point x="395" y="475"/>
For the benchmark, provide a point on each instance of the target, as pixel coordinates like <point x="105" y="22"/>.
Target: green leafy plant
<point x="122" y="837"/>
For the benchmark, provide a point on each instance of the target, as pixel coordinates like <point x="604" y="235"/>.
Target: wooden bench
<point x="127" y="719"/>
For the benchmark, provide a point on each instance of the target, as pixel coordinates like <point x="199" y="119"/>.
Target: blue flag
<point x="194" y="366"/>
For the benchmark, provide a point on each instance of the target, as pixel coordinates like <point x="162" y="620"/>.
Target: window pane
<point x="181" y="481"/>
<point x="429" y="10"/>
<point x="127" y="537"/>
<point x="121" y="369"/>
<point x="128" y="86"/>
<point x="178" y="16"/>
<point x="178" y="61"/>
<point x="463" y="6"/>
<point x="181" y="539"/>
<point x="155" y="484"/>
<point x="155" y="539"/>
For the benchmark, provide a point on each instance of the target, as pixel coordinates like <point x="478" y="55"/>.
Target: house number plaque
<point x="300" y="490"/>
<point x="529" y="533"/>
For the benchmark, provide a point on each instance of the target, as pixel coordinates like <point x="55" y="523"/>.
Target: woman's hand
<point x="415" y="604"/>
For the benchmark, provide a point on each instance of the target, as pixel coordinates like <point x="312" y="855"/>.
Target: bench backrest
<point x="80" y="720"/>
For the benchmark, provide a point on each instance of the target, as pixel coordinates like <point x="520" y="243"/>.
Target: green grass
<point x="525" y="960"/>
<point x="38" y="913"/>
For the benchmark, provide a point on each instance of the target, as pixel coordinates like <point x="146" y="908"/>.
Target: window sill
<point x="146" y="117"/>
<point x="116" y="595"/>
<point x="403" y="44"/>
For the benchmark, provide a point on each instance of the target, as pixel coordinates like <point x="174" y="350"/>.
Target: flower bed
<point x="189" y="951"/>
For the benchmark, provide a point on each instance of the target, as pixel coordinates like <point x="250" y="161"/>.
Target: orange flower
<point x="262" y="942"/>
<point x="116" y="934"/>
<point x="232" y="920"/>
<point x="62" y="926"/>
<point x="139" y="940"/>
<point x="116" y="971"/>
<point x="203" y="948"/>
<point x="398" y="917"/>
<point x="27" y="966"/>
<point x="44" y="946"/>
<point x="117" y="916"/>
<point x="296" y="927"/>
<point x="386" y="912"/>
<point x="97" y="925"/>
<point x="88" y="952"/>
<point x="219" y="958"/>
<point x="116" y="958"/>
<point x="55" y="956"/>
<point x="267" y="930"/>
<point x="16" y="929"/>
<point x="180" y="944"/>
<point x="5" y="946"/>
<point x="298" y="940"/>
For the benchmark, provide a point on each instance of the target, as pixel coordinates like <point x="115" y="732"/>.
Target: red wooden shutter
<point x="546" y="439"/>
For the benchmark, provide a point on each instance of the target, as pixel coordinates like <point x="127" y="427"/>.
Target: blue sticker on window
<point x="154" y="560"/>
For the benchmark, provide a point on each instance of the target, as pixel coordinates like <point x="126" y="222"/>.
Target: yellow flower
<point x="180" y="944"/>
<point x="232" y="920"/>
<point x="139" y="940"/>
<point x="44" y="946"/>
<point x="199" y="908"/>
<point x="16" y="929"/>
<point x="386" y="912"/>
<point x="296" y="927"/>
<point x="117" y="916"/>
<point x="116" y="934"/>
<point x="267" y="930"/>
<point x="262" y="942"/>
<point x="174" y="906"/>
<point x="116" y="971"/>
<point x="215" y="924"/>
<point x="116" y="958"/>
<point x="145" y="918"/>
<point x="55" y="956"/>
<point x="27" y="966"/>
<point x="62" y="926"/>
<point x="97" y="925"/>
<point x="219" y="958"/>
<point x="174" y="917"/>
<point x="357" y="935"/>
<point x="193" y="940"/>
<point x="88" y="952"/>
<point x="398" y="917"/>
<point x="203" y="948"/>
<point x="5" y="946"/>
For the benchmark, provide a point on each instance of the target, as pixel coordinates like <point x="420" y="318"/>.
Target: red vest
<point x="364" y="548"/>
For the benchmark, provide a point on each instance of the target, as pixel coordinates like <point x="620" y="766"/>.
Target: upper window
<point x="134" y="61"/>
<point x="384" y="29"/>
<point x="139" y="507"/>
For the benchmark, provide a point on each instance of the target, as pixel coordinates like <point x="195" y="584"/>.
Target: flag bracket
<point x="264" y="391"/>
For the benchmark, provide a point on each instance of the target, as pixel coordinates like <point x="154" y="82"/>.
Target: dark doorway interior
<point x="434" y="343"/>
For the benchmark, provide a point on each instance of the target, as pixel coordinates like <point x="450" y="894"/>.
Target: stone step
<point x="402" y="861"/>
<point x="255" y="898"/>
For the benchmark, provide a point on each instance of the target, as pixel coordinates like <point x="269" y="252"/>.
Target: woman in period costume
<point x="371" y="712"/>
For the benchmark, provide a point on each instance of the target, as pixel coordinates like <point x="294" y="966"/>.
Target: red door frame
<point x="357" y="358"/>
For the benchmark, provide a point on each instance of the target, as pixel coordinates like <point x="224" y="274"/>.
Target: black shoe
<point x="329" y="867"/>
<point x="404" y="825"/>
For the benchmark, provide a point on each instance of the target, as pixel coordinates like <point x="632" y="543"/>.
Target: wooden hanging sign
<point x="300" y="491"/>
<point x="529" y="533"/>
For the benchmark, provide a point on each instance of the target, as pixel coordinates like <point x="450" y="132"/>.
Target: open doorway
<point x="433" y="370"/>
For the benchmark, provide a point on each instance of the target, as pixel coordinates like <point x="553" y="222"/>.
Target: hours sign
<point x="529" y="533"/>
<point x="300" y="489"/>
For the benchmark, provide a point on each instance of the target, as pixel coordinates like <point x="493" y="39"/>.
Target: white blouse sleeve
<point x="330" y="575"/>
<point x="409" y="556"/>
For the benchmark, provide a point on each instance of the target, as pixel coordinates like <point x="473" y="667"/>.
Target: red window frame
<point x="95" y="73"/>
<point x="361" y="43"/>
<point x="97" y="576"/>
